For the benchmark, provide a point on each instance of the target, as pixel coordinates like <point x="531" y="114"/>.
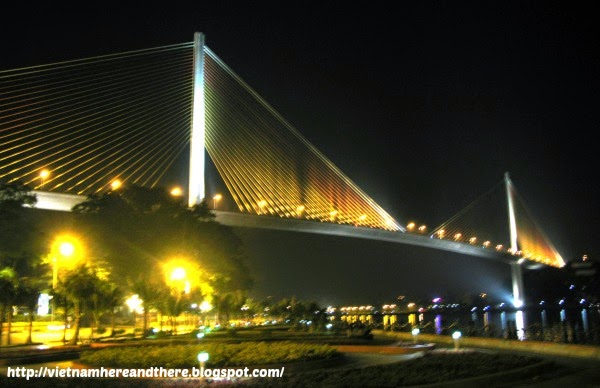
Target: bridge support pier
<point x="517" y="284"/>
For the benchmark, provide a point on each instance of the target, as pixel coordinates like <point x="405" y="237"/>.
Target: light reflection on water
<point x="520" y="322"/>
<point x="565" y="325"/>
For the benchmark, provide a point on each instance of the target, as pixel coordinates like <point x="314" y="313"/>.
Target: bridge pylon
<point x="515" y="267"/>
<point x="196" y="191"/>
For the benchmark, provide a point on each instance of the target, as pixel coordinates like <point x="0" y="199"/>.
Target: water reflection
<point x="520" y="323"/>
<point x="438" y="324"/>
<point x="569" y="325"/>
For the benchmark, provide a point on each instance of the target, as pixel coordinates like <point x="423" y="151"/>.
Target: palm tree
<point x="8" y="292"/>
<point x="28" y="294"/>
<point x="113" y="298"/>
<point x="150" y="293"/>
<point x="61" y="301"/>
<point x="79" y="286"/>
<point x="173" y="304"/>
<point x="29" y="289"/>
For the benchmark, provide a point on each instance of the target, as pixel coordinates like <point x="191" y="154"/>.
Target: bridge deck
<point x="65" y="202"/>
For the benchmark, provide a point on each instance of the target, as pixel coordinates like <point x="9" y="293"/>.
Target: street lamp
<point x="176" y="192"/>
<point x="362" y="218"/>
<point x="115" y="184"/>
<point x="415" y="332"/>
<point x="261" y="205"/>
<point x="202" y="358"/>
<point x="135" y="305"/>
<point x="456" y="337"/>
<point x="66" y="249"/>
<point x="43" y="175"/>
<point x="179" y="278"/>
<point x="332" y="215"/>
<point x="216" y="199"/>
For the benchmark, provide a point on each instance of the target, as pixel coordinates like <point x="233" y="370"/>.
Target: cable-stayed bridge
<point x="146" y="117"/>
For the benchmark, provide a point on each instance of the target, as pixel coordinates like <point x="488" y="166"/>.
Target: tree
<point x="140" y="228"/>
<point x="105" y="298"/>
<point x="29" y="289"/>
<point x="19" y="249"/>
<point x="8" y="293"/>
<point x="151" y="294"/>
<point x="112" y="299"/>
<point x="79" y="285"/>
<point x="17" y="229"/>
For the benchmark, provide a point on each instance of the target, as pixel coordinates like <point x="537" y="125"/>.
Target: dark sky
<point x="424" y="106"/>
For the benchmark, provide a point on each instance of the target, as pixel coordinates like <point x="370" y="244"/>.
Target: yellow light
<point x="178" y="274"/>
<point x="422" y="228"/>
<point x="135" y="304"/>
<point x="362" y="217"/>
<point x="184" y="276"/>
<point x="410" y="226"/>
<point x="115" y="184"/>
<point x="486" y="244"/>
<point x="441" y="233"/>
<point x="216" y="199"/>
<point x="66" y="249"/>
<point x="498" y="247"/>
<point x="176" y="192"/>
<point x="457" y="236"/>
<point x="473" y="240"/>
<point x="67" y="246"/>
<point x="205" y="306"/>
<point x="44" y="174"/>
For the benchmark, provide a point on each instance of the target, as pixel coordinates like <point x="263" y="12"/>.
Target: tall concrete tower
<point x="196" y="183"/>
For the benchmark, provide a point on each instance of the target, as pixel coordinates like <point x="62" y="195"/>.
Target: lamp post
<point x="202" y="358"/>
<point x="176" y="192"/>
<point x="456" y="337"/>
<point x="216" y="199"/>
<point x="115" y="184"/>
<point x="415" y="332"/>
<point x="261" y="206"/>
<point x="43" y="175"/>
<point x="134" y="303"/>
<point x="65" y="249"/>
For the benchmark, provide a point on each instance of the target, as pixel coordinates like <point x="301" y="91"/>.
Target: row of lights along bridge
<point x="411" y="227"/>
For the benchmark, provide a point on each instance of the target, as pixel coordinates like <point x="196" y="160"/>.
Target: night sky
<point x="425" y="106"/>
